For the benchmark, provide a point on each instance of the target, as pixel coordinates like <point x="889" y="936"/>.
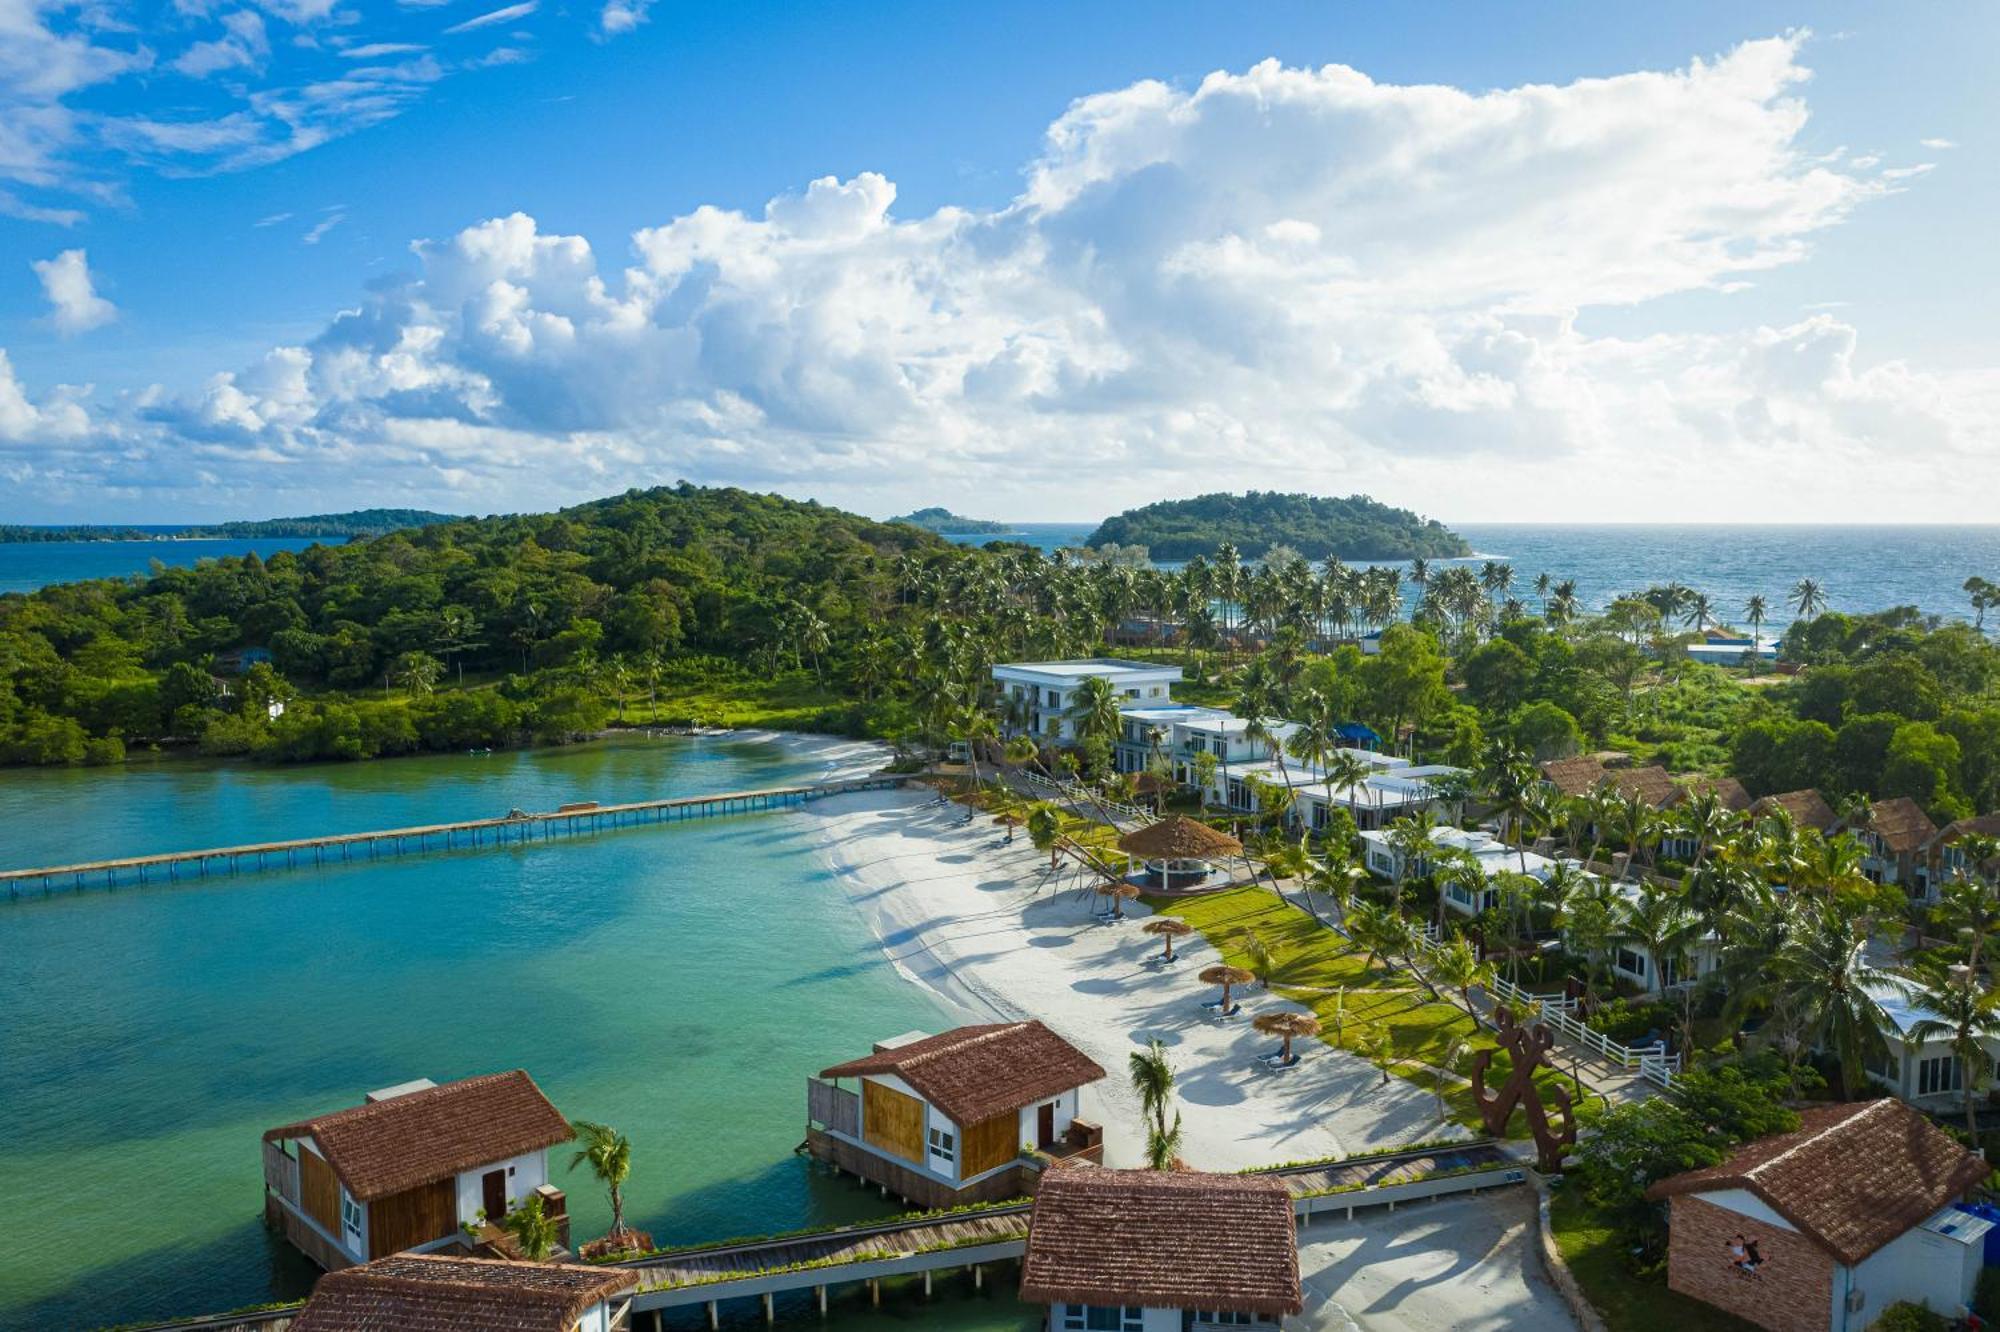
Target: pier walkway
<point x="704" y="1276"/>
<point x="517" y="828"/>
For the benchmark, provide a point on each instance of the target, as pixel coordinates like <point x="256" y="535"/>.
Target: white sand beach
<point x="977" y="922"/>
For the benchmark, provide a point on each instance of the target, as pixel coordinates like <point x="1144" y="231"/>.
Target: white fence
<point x="1652" y="1062"/>
<point x="1077" y="791"/>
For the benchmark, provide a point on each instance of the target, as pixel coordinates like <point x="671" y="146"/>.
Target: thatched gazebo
<point x="1286" y="1025"/>
<point x="1177" y="851"/>
<point x="1170" y="929"/>
<point x="1227" y="977"/>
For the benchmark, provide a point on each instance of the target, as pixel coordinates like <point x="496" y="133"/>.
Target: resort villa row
<point x="415" y="1167"/>
<point x="1152" y="723"/>
<point x="969" y="1115"/>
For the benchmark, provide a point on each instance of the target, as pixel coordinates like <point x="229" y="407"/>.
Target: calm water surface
<point x="27" y="565"/>
<point x="677" y="982"/>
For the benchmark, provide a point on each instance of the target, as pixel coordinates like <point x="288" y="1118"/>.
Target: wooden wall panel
<point x="892" y="1122"/>
<point x="319" y="1192"/>
<point x="414" y="1216"/>
<point x="989" y="1144"/>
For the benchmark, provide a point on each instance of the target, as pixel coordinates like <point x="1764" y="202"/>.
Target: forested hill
<point x="1355" y="528"/>
<point x="359" y="522"/>
<point x="546" y="607"/>
<point x="944" y="520"/>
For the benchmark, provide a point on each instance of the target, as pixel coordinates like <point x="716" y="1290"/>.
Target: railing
<point x="838" y="1109"/>
<point x="1652" y="1063"/>
<point x="1078" y="791"/>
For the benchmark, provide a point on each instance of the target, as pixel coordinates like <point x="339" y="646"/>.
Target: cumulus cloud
<point x="74" y="305"/>
<point x="1280" y="277"/>
<point x="622" y="16"/>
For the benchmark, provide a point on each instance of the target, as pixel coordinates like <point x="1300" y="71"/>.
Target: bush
<point x="1986" y="1295"/>
<point x="103" y="751"/>
<point x="1906" y="1317"/>
<point x="1627" y="1020"/>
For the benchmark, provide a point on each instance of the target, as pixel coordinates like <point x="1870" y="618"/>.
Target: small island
<point x="943" y="520"/>
<point x="356" y="523"/>
<point x="1318" y="527"/>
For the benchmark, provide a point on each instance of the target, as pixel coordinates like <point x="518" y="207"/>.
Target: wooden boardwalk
<point x="509" y="829"/>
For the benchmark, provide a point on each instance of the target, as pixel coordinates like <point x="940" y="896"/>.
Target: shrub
<point x="1906" y="1317"/>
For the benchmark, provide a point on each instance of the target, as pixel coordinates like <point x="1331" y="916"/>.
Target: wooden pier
<point x="512" y="829"/>
<point x="703" y="1276"/>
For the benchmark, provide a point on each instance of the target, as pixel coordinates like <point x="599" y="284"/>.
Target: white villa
<point x="1925" y="1073"/>
<point x="941" y="1120"/>
<point x="410" y="1166"/>
<point x="1042" y="692"/>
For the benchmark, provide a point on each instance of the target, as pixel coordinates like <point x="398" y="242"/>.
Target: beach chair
<point x="1229" y="1012"/>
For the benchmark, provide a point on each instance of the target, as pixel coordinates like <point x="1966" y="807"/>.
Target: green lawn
<point x="1630" y="1303"/>
<point x="791" y="702"/>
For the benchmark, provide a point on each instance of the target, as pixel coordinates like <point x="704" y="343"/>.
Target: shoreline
<point x="974" y="922"/>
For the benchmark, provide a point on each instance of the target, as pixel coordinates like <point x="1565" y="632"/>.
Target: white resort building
<point x="1036" y="696"/>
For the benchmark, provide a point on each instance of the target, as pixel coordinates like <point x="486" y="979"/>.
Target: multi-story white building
<point x="1036" y="696"/>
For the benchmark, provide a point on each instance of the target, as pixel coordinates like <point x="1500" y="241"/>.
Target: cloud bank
<point x="1282" y="277"/>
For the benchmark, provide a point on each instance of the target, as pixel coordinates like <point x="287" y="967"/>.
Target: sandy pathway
<point x="974" y="921"/>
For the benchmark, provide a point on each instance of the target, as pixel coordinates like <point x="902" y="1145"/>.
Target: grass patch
<point x="788" y="702"/>
<point x="1596" y="1256"/>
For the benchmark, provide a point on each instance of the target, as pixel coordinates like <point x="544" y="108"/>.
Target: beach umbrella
<point x="1170" y="929"/>
<point x="1225" y="975"/>
<point x="1009" y="822"/>
<point x="1119" y="892"/>
<point x="1286" y="1025"/>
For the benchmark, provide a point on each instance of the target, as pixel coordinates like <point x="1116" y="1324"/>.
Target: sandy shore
<point x="978" y="923"/>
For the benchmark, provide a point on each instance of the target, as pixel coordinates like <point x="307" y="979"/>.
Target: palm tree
<point x="1457" y="966"/>
<point x="533" y="1231"/>
<point x="608" y="1153"/>
<point x="417" y="672"/>
<point x="1093" y="710"/>
<point x="1961" y="1011"/>
<point x="1044" y="826"/>
<point x="1825" y="969"/>
<point x="1755" y="611"/>
<point x="1808" y="598"/>
<point x="1153" y="1079"/>
<point x="1658" y="923"/>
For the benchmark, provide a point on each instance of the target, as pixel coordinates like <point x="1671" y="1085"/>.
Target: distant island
<point x="944" y="520"/>
<point x="1354" y="528"/>
<point x="358" y="522"/>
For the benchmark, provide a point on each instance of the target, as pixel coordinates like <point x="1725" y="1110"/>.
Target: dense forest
<point x="359" y="522"/>
<point x="1317" y="527"/>
<point x="944" y="520"/>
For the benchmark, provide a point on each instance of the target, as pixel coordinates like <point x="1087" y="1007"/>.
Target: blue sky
<point x="238" y="175"/>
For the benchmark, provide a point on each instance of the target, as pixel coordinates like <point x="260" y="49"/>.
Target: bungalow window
<point x="350" y="1212"/>
<point x="1222" y="1318"/>
<point x="944" y="1146"/>
<point x="1103" y="1318"/>
<point x="1631" y="962"/>
<point x="1942" y="1074"/>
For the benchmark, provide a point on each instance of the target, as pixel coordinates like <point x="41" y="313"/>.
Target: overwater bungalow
<point x="435" y="1294"/>
<point x="1161" y="1251"/>
<point x="942" y="1120"/>
<point x="1825" y="1227"/>
<point x="412" y="1166"/>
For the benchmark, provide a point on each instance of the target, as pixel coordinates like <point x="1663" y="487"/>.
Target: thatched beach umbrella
<point x="1009" y="822"/>
<point x="1119" y="892"/>
<point x="1170" y="929"/>
<point x="1226" y="976"/>
<point x="1286" y="1025"/>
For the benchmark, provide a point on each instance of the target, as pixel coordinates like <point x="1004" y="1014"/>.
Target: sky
<point x="1492" y="262"/>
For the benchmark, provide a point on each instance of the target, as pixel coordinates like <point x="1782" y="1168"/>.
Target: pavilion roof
<point x="1179" y="838"/>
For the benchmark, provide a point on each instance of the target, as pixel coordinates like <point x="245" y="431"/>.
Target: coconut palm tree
<point x="1808" y="598"/>
<point x="608" y="1153"/>
<point x="1153" y="1079"/>
<point x="1093" y="710"/>
<point x="1457" y="966"/>
<point x="1044" y="826"/>
<point x="1962" y="1011"/>
<point x="532" y="1229"/>
<point x="1756" y="612"/>
<point x="1659" y="924"/>
<point x="416" y="672"/>
<point x="1825" y="970"/>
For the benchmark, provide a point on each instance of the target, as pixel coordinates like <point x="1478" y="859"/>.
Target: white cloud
<point x="318" y="230"/>
<point x="74" y="305"/>
<point x="1282" y="277"/>
<point x="487" y="20"/>
<point x="242" y="45"/>
<point x="622" y="16"/>
<point x="376" y="50"/>
<point x="1938" y="144"/>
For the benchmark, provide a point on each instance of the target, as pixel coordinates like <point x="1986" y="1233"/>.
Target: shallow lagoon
<point x="678" y="982"/>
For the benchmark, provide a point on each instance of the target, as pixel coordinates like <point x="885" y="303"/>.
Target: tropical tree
<point x="1044" y="824"/>
<point x="416" y="672"/>
<point x="1093" y="711"/>
<point x="533" y="1230"/>
<point x="1808" y="598"/>
<point x="1756" y="612"/>
<point x="1153" y="1079"/>
<point x="1825" y="969"/>
<point x="1456" y="966"/>
<point x="1963" y="1012"/>
<point x="608" y="1153"/>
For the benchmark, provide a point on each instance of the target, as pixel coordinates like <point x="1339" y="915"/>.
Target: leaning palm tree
<point x="1457" y="966"/>
<point x="1962" y="1011"/>
<point x="608" y="1153"/>
<point x="1153" y="1079"/>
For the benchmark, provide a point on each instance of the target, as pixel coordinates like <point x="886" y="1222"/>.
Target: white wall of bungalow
<point x="1925" y="1073"/>
<point x="1045" y="691"/>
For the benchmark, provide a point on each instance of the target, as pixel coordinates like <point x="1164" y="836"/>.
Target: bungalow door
<point x="1045" y="1126"/>
<point x="493" y="1195"/>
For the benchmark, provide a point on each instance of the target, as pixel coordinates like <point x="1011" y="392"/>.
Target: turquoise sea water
<point x="677" y="982"/>
<point x="1862" y="568"/>
<point x="27" y="565"/>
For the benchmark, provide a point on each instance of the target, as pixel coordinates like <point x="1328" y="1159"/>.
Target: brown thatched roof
<point x="424" y="1136"/>
<point x="974" y="1073"/>
<point x="1179" y="838"/>
<point x="1575" y="776"/>
<point x="1901" y="824"/>
<point x="1732" y="793"/>
<point x="420" y="1293"/>
<point x="1851" y="1177"/>
<point x="1986" y="825"/>
<point x="1808" y="808"/>
<point x="1653" y="784"/>
<point x="1160" y="1238"/>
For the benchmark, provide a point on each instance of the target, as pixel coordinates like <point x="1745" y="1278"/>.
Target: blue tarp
<point x="1357" y="734"/>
